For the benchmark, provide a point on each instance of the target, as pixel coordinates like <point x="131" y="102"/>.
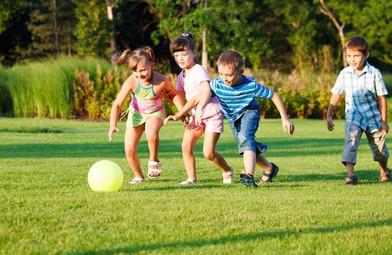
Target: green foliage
<point x="92" y="98"/>
<point x="304" y="95"/>
<point x="48" y="208"/>
<point x="43" y="89"/>
<point x="92" y="29"/>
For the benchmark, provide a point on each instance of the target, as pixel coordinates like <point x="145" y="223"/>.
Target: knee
<point x="152" y="137"/>
<point x="186" y="148"/>
<point x="130" y="152"/>
<point x="210" y="155"/>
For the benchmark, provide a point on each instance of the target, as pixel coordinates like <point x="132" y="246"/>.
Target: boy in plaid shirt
<point x="366" y="108"/>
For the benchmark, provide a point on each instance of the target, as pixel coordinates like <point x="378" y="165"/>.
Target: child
<point x="366" y="108"/>
<point x="237" y="95"/>
<point x="146" y="111"/>
<point x="192" y="80"/>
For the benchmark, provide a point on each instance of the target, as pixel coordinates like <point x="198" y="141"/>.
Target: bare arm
<point x="287" y="124"/>
<point x="331" y="111"/>
<point x="115" y="110"/>
<point x="382" y="102"/>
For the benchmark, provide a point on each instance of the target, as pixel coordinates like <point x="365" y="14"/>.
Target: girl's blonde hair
<point x="132" y="58"/>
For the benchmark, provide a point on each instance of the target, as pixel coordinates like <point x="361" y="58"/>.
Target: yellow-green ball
<point x="105" y="175"/>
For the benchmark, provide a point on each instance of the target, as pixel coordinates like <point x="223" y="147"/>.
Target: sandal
<point x="154" y="169"/>
<point x="228" y="177"/>
<point x="188" y="182"/>
<point x="386" y="178"/>
<point x="136" y="180"/>
<point x="269" y="176"/>
<point x="351" y="180"/>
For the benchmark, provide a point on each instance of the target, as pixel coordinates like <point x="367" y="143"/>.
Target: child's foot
<point x="188" y="182"/>
<point x="386" y="177"/>
<point x="228" y="177"/>
<point x="351" y="180"/>
<point x="267" y="177"/>
<point x="247" y="180"/>
<point x="136" y="180"/>
<point x="154" y="169"/>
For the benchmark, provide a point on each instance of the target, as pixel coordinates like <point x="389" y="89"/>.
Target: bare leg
<point x="384" y="171"/>
<point x="249" y="158"/>
<point x="191" y="136"/>
<point x="131" y="141"/>
<point x="210" y="140"/>
<point x="350" y="169"/>
<point x="153" y="126"/>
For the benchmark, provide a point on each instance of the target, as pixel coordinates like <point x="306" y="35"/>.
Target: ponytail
<point x="132" y="58"/>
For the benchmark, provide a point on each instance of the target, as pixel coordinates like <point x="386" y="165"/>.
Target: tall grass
<point x="44" y="89"/>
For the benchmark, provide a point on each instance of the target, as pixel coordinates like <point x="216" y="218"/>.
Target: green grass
<point x="44" y="88"/>
<point x="46" y="206"/>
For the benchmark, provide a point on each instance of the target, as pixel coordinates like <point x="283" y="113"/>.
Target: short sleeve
<point x="381" y="90"/>
<point x="262" y="91"/>
<point x="338" y="88"/>
<point x="180" y="82"/>
<point x="200" y="74"/>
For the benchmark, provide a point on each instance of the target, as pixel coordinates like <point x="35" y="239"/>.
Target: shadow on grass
<point x="232" y="239"/>
<point x="278" y="148"/>
<point x="364" y="176"/>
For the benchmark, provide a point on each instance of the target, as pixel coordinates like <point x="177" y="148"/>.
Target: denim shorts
<point x="244" y="131"/>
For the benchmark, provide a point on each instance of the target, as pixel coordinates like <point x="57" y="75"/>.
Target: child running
<point x="192" y="80"/>
<point x="237" y="95"/>
<point x="366" y="109"/>
<point x="146" y="110"/>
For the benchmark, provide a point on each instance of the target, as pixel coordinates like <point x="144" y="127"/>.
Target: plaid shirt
<point x="361" y="91"/>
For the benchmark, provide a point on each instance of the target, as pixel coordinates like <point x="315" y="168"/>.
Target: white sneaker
<point x="188" y="182"/>
<point x="228" y="177"/>
<point x="136" y="180"/>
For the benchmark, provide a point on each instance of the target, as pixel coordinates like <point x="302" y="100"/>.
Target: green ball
<point x="105" y="175"/>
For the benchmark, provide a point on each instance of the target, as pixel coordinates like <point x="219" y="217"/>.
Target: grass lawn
<point x="46" y="206"/>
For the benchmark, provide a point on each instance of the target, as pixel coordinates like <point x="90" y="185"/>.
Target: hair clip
<point x="186" y="34"/>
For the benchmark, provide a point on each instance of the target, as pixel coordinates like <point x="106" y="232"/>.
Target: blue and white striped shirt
<point x="361" y="91"/>
<point x="242" y="96"/>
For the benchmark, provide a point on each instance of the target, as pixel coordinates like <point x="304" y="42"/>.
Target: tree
<point x="51" y="25"/>
<point x="92" y="29"/>
<point x="339" y="26"/>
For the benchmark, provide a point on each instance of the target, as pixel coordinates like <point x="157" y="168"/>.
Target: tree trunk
<point x="56" y="33"/>
<point x="339" y="26"/>
<point x="109" y="7"/>
<point x="204" y="53"/>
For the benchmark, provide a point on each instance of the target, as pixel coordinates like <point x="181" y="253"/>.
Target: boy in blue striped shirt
<point x="237" y="95"/>
<point x="366" y="108"/>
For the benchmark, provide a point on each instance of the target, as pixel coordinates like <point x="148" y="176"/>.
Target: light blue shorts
<point x="244" y="131"/>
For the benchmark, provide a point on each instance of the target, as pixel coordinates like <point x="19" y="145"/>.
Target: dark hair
<point x="357" y="43"/>
<point x="231" y="58"/>
<point x="182" y="43"/>
<point x="133" y="58"/>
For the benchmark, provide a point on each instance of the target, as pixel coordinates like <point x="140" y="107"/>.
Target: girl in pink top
<point x="146" y="111"/>
<point x="192" y="80"/>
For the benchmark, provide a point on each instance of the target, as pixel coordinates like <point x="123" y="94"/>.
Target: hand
<point x="198" y="115"/>
<point x="168" y="118"/>
<point x="330" y="125"/>
<point x="384" y="127"/>
<point x="185" y="119"/>
<point x="111" y="131"/>
<point x="288" y="126"/>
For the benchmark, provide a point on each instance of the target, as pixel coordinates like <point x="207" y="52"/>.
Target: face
<point x="184" y="59"/>
<point x="356" y="59"/>
<point x="229" y="75"/>
<point x="144" y="71"/>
